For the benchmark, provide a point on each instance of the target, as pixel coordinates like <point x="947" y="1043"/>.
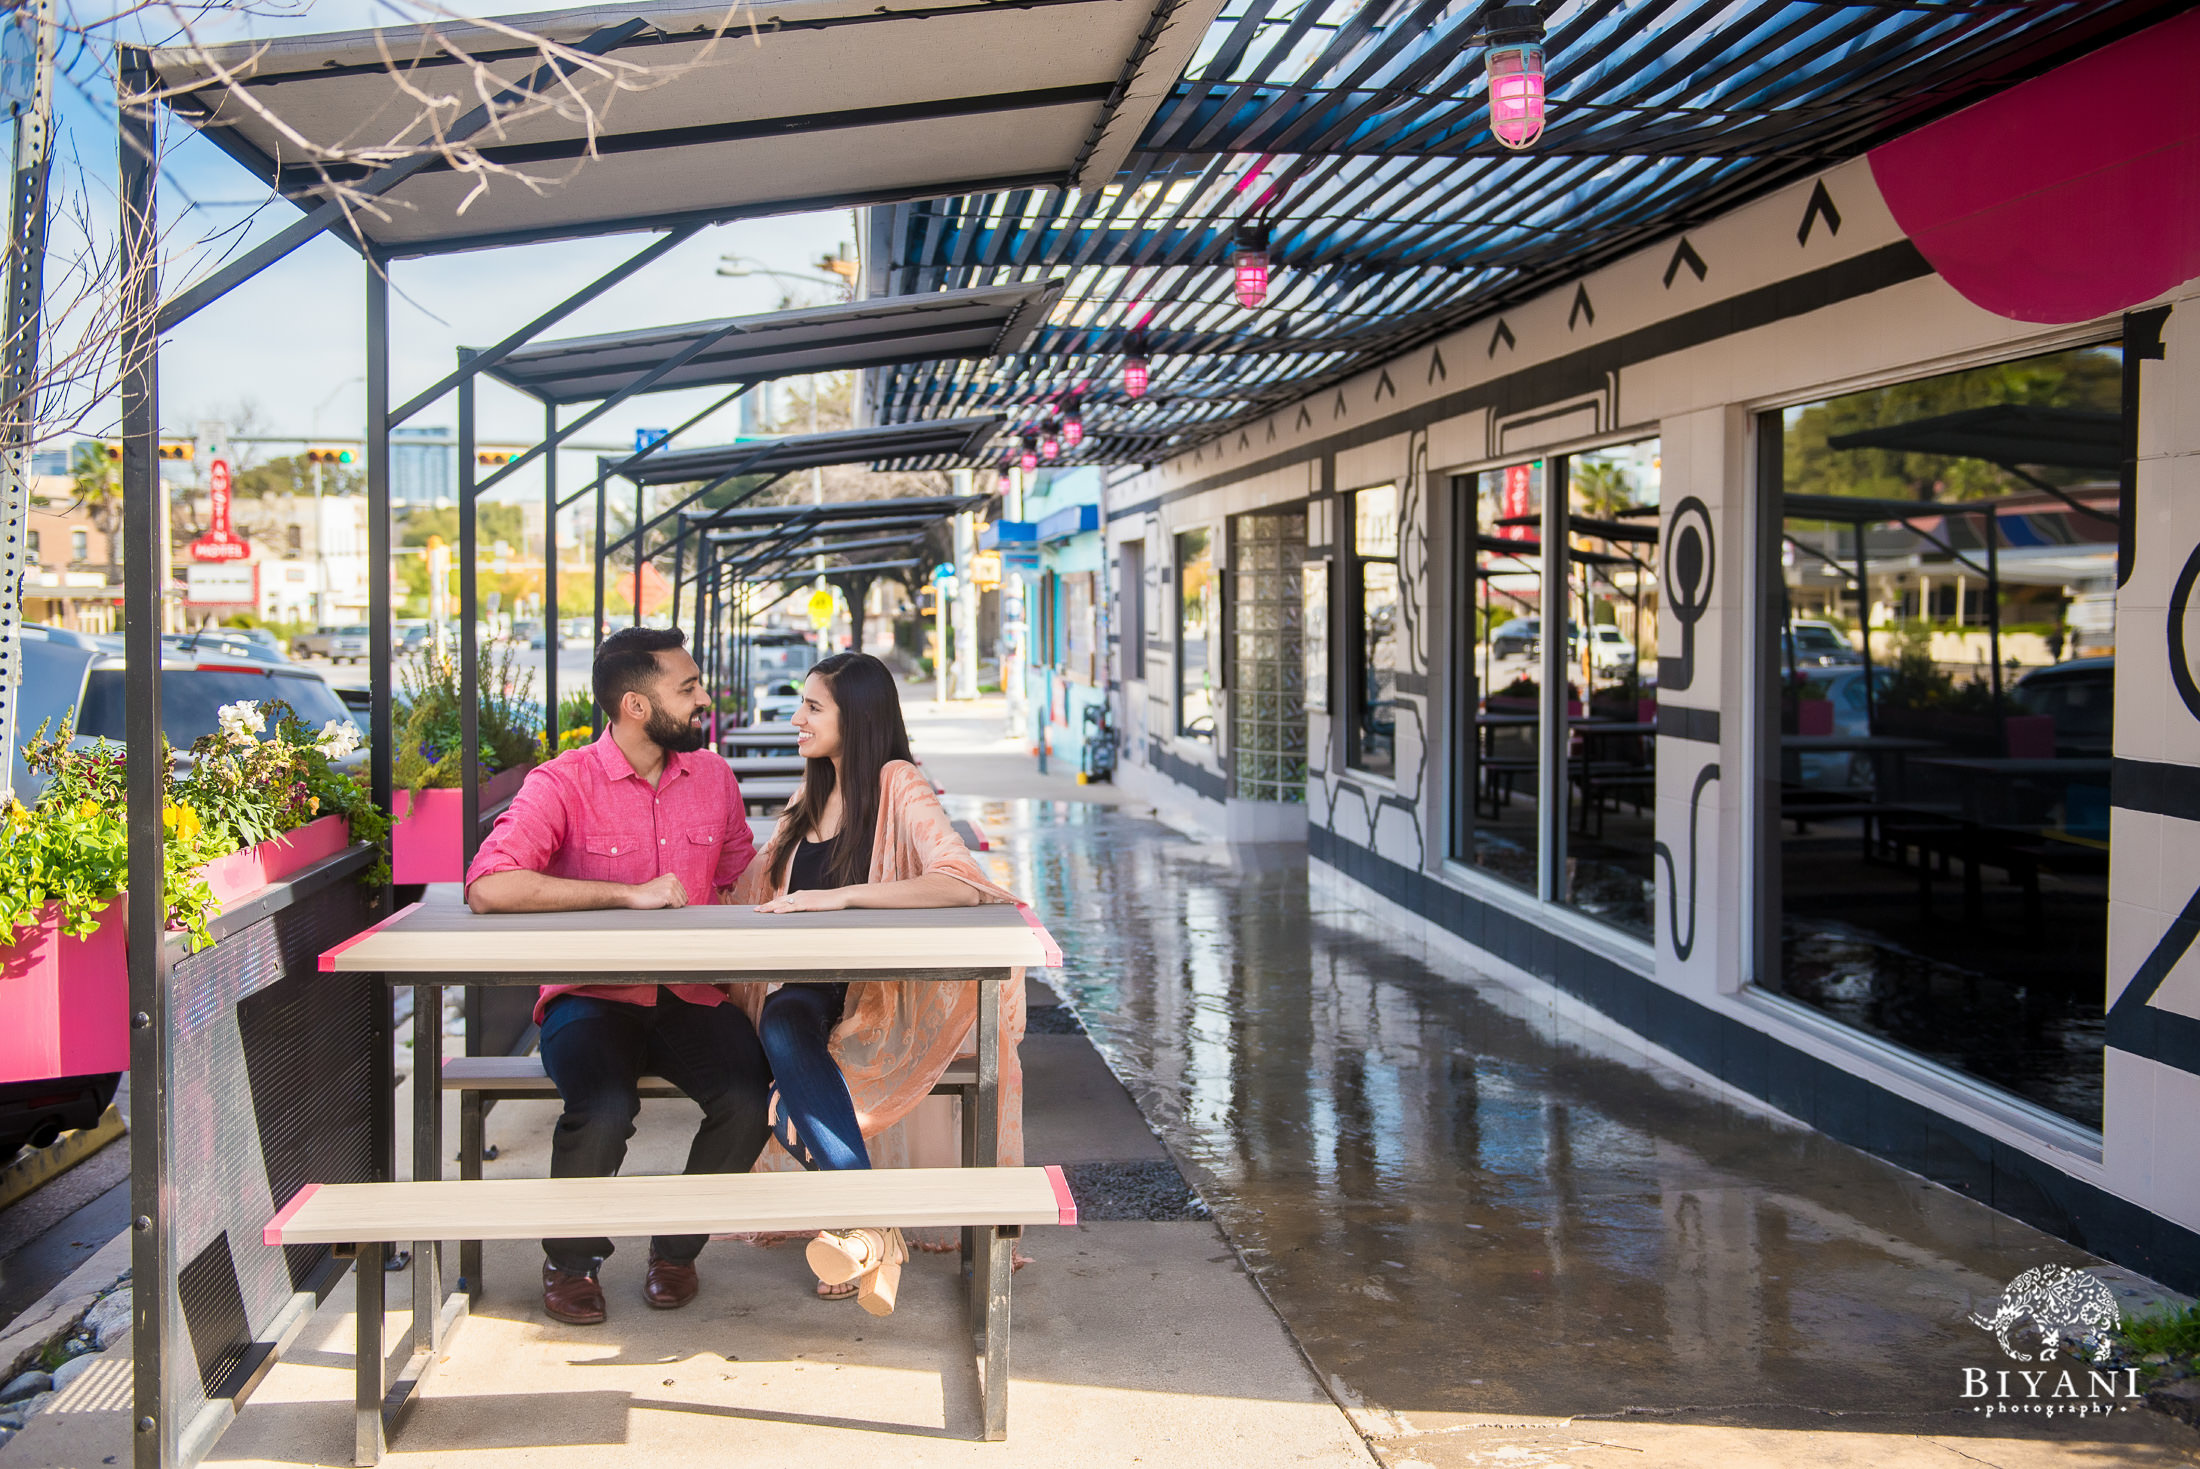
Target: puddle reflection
<point x="1457" y="1206"/>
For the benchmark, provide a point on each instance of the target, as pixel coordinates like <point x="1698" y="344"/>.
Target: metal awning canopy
<point x="2005" y="434"/>
<point x="921" y="508"/>
<point x="813" y="451"/>
<point x="936" y="326"/>
<point x="702" y="112"/>
<point x="1864" y="510"/>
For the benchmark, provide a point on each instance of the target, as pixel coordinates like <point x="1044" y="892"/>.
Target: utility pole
<point x="966" y="600"/>
<point x="1013" y="628"/>
<point x="26" y="59"/>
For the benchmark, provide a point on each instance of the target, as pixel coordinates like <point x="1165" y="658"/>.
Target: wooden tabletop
<point x="442" y="936"/>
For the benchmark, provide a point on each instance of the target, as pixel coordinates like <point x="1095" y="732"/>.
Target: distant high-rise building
<point x="423" y="466"/>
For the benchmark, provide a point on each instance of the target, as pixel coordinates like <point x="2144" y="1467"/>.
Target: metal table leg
<point x="989" y="1286"/>
<point x="368" y="1386"/>
<point x="427" y="1334"/>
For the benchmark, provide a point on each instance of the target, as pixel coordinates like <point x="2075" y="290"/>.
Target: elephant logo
<point x="2059" y="1303"/>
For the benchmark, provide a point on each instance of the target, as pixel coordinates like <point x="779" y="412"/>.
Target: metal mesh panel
<point x="273" y="1086"/>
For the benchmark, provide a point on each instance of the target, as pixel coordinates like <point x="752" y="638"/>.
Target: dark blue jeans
<point x="596" y="1051"/>
<point x="813" y="1095"/>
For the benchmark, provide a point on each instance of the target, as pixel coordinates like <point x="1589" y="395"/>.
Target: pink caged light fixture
<point x="1073" y="422"/>
<point x="1030" y="459"/>
<point x="1513" y="60"/>
<point x="1135" y="373"/>
<point x="1250" y="260"/>
<point x="1050" y="442"/>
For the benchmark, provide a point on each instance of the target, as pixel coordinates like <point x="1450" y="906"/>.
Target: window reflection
<point x="1612" y="599"/>
<point x="1195" y="631"/>
<point x="1373" y="741"/>
<point x="1941" y="639"/>
<point x="1495" y="816"/>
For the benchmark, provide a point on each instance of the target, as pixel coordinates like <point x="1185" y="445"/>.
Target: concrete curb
<point x="61" y="1309"/>
<point x="22" y="1177"/>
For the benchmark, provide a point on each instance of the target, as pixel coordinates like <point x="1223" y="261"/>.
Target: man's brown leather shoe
<point x="669" y="1285"/>
<point x="572" y="1296"/>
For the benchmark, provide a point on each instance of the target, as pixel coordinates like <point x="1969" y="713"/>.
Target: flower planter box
<point x="233" y="876"/>
<point x="425" y="845"/>
<point x="64" y="1002"/>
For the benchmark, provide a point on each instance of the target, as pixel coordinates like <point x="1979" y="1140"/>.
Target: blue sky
<point x="292" y="341"/>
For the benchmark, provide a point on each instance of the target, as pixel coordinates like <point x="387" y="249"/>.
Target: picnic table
<point x="441" y="942"/>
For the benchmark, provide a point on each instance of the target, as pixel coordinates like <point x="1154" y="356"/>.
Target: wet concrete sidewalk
<point x="1502" y="1240"/>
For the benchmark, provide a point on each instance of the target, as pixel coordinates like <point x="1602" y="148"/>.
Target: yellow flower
<point x="183" y="821"/>
<point x="87" y="808"/>
<point x="18" y="817"/>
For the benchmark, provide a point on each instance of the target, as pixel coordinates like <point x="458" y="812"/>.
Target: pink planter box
<point x="233" y="876"/>
<point x="425" y="845"/>
<point x="65" y="1003"/>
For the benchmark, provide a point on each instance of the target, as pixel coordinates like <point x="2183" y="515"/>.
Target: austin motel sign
<point x="219" y="543"/>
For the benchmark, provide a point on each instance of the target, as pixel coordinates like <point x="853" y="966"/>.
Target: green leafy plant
<point x="2173" y="1331"/>
<point x="74" y="849"/>
<point x="430" y="740"/>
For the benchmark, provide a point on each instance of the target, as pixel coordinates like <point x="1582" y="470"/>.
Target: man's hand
<point x="659" y="892"/>
<point x="809" y="900"/>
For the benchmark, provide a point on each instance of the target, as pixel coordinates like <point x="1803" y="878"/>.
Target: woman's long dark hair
<point x="871" y="735"/>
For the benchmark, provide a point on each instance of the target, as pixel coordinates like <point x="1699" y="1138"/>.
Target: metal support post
<point x="19" y="365"/>
<point x="679" y="568"/>
<point x="145" y="545"/>
<point x="1553" y="731"/>
<point x="381" y="611"/>
<point x="550" y="580"/>
<point x="641" y="497"/>
<point x="602" y="618"/>
<point x="469" y="574"/>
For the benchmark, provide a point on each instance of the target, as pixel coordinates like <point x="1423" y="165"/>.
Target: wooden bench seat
<point x="364" y="1219"/>
<point x="483" y="1080"/>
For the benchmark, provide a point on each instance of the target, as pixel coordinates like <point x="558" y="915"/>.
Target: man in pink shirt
<point x="643" y="818"/>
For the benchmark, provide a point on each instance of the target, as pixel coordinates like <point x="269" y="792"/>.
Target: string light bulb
<point x="1135" y="374"/>
<point x="1512" y="59"/>
<point x="1030" y="459"/>
<point x="1250" y="261"/>
<point x="1050" y="442"/>
<point x="1073" y="423"/>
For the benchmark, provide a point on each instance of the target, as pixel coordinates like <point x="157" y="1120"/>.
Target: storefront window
<point x="1372" y="740"/>
<point x="1612" y="607"/>
<point x="1939" y="647"/>
<point x="1498" y="632"/>
<point x="1196" y="629"/>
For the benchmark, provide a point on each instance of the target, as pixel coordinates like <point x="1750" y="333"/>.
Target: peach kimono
<point x="898" y="1035"/>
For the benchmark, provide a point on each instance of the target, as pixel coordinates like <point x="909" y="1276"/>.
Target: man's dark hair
<point x="628" y="660"/>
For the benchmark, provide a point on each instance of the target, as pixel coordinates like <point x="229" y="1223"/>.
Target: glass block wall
<point x="1268" y="676"/>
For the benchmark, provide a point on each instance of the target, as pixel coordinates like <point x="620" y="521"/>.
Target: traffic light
<point x="114" y="451"/>
<point x="175" y="451"/>
<point x="492" y="458"/>
<point x="328" y="456"/>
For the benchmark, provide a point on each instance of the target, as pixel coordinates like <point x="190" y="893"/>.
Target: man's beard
<point x="673" y="736"/>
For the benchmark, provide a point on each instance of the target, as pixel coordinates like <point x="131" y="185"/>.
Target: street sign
<point x="219" y="544"/>
<point x="821" y="607"/>
<point x="943" y="572"/>
<point x="18" y="59"/>
<point x="646" y="438"/>
<point x="217" y="585"/>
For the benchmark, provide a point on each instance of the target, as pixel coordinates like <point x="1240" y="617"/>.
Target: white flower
<point x="241" y="722"/>
<point x="339" y="737"/>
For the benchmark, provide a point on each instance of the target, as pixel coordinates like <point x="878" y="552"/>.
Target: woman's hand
<point x="809" y="900"/>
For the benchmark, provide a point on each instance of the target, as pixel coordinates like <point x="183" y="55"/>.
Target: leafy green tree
<point x="2089" y="378"/>
<point x="98" y="483"/>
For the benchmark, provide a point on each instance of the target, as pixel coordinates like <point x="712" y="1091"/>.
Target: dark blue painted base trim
<point x="1841" y="1105"/>
<point x="1197" y="778"/>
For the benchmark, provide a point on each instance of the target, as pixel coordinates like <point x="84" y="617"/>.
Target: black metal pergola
<point x="839" y="103"/>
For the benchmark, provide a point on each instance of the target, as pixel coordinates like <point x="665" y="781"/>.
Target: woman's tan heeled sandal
<point x="841" y="1255"/>
<point x="877" y="1289"/>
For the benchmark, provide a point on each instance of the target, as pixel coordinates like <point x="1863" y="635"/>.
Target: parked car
<point x="312" y="644"/>
<point x="528" y="630"/>
<point x="1815" y="645"/>
<point x="573" y="632"/>
<point x="410" y="633"/>
<point x="353" y="644"/>
<point x="235" y="642"/>
<point x="1844" y="689"/>
<point x="2080" y="696"/>
<point x="65" y="671"/>
<point x="1612" y="651"/>
<point x="1518" y="638"/>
